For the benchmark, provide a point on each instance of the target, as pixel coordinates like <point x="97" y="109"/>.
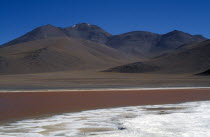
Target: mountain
<point x="82" y="46"/>
<point x="147" y="44"/>
<point x="193" y="59"/>
<point x="58" y="54"/>
<point x="46" y="31"/>
<point x="174" y="39"/>
<point x="81" y="31"/>
<point x="138" y="43"/>
<point x="88" y="32"/>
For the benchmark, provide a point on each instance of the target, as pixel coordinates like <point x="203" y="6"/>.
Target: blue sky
<point x="115" y="16"/>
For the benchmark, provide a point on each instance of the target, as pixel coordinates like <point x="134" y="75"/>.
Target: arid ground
<point x="93" y="79"/>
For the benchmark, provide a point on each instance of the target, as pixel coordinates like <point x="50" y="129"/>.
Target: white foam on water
<point x="172" y="120"/>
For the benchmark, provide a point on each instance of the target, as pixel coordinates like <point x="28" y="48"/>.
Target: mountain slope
<point x="194" y="59"/>
<point x="57" y="54"/>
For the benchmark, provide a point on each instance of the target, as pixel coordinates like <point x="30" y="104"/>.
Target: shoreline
<point x="101" y="89"/>
<point x="22" y="105"/>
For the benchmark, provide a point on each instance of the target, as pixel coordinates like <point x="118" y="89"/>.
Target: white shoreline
<point x="103" y="89"/>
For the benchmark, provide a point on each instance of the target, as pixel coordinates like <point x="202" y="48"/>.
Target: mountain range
<point x="138" y="43"/>
<point x="85" y="46"/>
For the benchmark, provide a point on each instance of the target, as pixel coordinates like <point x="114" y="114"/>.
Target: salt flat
<point x="185" y="119"/>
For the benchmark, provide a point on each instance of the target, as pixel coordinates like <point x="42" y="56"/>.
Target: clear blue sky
<point x="115" y="16"/>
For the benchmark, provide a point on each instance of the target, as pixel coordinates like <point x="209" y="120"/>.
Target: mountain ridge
<point x="148" y="44"/>
<point x="136" y="42"/>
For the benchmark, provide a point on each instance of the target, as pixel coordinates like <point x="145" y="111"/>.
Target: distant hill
<point x="57" y="54"/>
<point x="147" y="44"/>
<point x="193" y="59"/>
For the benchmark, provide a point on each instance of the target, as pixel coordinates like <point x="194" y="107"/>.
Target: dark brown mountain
<point x="88" y="32"/>
<point x="193" y="59"/>
<point x="147" y="44"/>
<point x="58" y="54"/>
